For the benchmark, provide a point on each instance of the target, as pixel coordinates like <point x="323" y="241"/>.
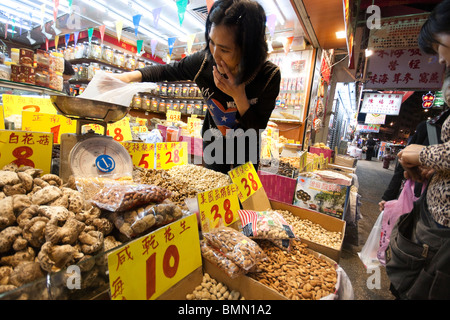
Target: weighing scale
<point x="91" y="154"/>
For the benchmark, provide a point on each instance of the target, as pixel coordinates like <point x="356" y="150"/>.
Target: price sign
<point x="303" y="160"/>
<point x="246" y="179"/>
<point x="45" y="122"/>
<point x="173" y="116"/>
<point x="26" y="148"/>
<point x="120" y="130"/>
<point x="140" y="129"/>
<point x="13" y="104"/>
<point x="218" y="207"/>
<point x="2" y="119"/>
<point x="142" y="154"/>
<point x="170" y="154"/>
<point x="145" y="268"/>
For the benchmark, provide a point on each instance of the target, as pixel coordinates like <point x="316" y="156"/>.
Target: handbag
<point x="393" y="209"/>
<point x="418" y="256"/>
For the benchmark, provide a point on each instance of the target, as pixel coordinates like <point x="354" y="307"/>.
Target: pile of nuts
<point x="211" y="289"/>
<point x="179" y="190"/>
<point x="297" y="274"/>
<point x="199" y="178"/>
<point x="308" y="230"/>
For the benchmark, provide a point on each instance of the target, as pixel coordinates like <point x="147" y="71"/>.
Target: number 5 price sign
<point x="218" y="207"/>
<point x="145" y="268"/>
<point x="246" y="179"/>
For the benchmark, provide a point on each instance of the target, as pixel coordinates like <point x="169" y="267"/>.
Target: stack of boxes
<point x="23" y="71"/>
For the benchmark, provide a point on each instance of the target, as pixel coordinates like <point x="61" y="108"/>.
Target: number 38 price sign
<point x="247" y="180"/>
<point x="218" y="207"/>
<point x="145" y="268"/>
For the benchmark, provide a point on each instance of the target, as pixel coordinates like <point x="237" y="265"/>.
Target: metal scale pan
<point x="91" y="154"/>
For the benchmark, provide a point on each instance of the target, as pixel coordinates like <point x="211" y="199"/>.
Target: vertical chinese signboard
<point x="404" y="69"/>
<point x="26" y="148"/>
<point x="148" y="266"/>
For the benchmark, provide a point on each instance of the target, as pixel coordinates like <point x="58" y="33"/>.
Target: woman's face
<point x="224" y="49"/>
<point x="442" y="47"/>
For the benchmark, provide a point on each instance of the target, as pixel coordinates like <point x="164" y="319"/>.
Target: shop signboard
<point x="409" y="69"/>
<point x="375" y="118"/>
<point x="364" y="128"/>
<point x="218" y="207"/>
<point x="382" y="103"/>
<point x="26" y="148"/>
<point x="148" y="266"/>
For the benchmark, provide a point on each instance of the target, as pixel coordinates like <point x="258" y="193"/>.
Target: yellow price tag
<point x="170" y="154"/>
<point x="246" y="179"/>
<point x="26" y="148"/>
<point x="303" y="160"/>
<point x="45" y="122"/>
<point x="142" y="154"/>
<point x="2" y="119"/>
<point x="173" y="116"/>
<point x="218" y="207"/>
<point x="120" y="130"/>
<point x="145" y="268"/>
<point x="140" y="129"/>
<point x="13" y="104"/>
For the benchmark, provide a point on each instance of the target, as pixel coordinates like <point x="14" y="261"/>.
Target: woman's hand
<point x="410" y="161"/>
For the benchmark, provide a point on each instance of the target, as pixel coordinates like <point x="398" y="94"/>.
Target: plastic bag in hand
<point x="106" y="87"/>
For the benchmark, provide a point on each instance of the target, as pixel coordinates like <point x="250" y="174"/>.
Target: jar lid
<point x="15" y="49"/>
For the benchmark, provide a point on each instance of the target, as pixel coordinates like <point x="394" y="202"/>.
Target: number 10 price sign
<point x="145" y="268"/>
<point x="218" y="207"/>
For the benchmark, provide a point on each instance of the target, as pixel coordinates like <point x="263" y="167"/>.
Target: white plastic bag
<point x="368" y="254"/>
<point x="107" y="88"/>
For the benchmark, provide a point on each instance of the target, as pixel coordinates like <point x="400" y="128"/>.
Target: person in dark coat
<point x="370" y="148"/>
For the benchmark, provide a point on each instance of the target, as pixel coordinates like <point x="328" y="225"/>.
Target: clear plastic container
<point x="146" y="101"/>
<point x="42" y="78"/>
<point x="108" y="54"/>
<point x="57" y="62"/>
<point x="162" y="105"/>
<point x="56" y="81"/>
<point x="140" y="63"/>
<point x="95" y="50"/>
<point x="15" y="54"/>
<point x="176" y="105"/>
<point x="130" y="62"/>
<point x="92" y="69"/>
<point x="154" y="104"/>
<point x="119" y="58"/>
<point x="5" y="72"/>
<point x="42" y="60"/>
<point x="137" y="101"/>
<point x="83" y="71"/>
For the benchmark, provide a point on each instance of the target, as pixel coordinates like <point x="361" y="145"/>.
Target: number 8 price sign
<point x="145" y="268"/>
<point x="218" y="207"/>
<point x="246" y="179"/>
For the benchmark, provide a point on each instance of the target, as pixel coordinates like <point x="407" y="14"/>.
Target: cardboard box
<point x="327" y="222"/>
<point x="249" y="288"/>
<point x="321" y="196"/>
<point x="260" y="202"/>
<point x="345" y="161"/>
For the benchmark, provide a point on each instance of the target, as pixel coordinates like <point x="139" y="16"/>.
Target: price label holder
<point x="145" y="268"/>
<point x="170" y="154"/>
<point x="218" y="207"/>
<point x="46" y="122"/>
<point x="142" y="154"/>
<point x="251" y="191"/>
<point x="173" y="116"/>
<point x="26" y="148"/>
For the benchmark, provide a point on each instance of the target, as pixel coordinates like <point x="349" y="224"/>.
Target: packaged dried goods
<point x="120" y="197"/>
<point x="265" y="225"/>
<point x="26" y="57"/>
<point x="135" y="222"/>
<point x="243" y="251"/>
<point x="218" y="259"/>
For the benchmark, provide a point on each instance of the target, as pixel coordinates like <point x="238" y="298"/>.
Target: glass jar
<point x="108" y="54"/>
<point x="42" y="60"/>
<point x="185" y="90"/>
<point x="169" y="105"/>
<point x="154" y="104"/>
<point x="119" y="58"/>
<point x="193" y="90"/>
<point x="137" y="101"/>
<point x="42" y="78"/>
<point x="146" y="101"/>
<point x="140" y="63"/>
<point x="78" y="51"/>
<point x="190" y="107"/>
<point x="163" y="89"/>
<point x="171" y="89"/>
<point x="177" y="90"/>
<point x="183" y="104"/>
<point x="197" y="107"/>
<point x="83" y="71"/>
<point x="82" y="88"/>
<point x="130" y="62"/>
<point x="56" y="62"/>
<point x="162" y="105"/>
<point x="95" y="50"/>
<point x="5" y="72"/>
<point x="56" y="81"/>
<point x="92" y="69"/>
<point x="205" y="109"/>
<point x="176" y="105"/>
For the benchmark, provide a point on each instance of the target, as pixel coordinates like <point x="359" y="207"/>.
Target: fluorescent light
<point x="341" y="35"/>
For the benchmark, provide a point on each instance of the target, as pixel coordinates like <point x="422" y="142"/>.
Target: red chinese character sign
<point x="382" y="103"/>
<point x="428" y="100"/>
<point x="26" y="148"/>
<point x="145" y="268"/>
<point x="404" y="69"/>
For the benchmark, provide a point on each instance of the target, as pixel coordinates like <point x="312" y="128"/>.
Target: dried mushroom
<point x="53" y="258"/>
<point x="34" y="231"/>
<point x="25" y="272"/>
<point x="7" y="238"/>
<point x="67" y="233"/>
<point x="7" y="216"/>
